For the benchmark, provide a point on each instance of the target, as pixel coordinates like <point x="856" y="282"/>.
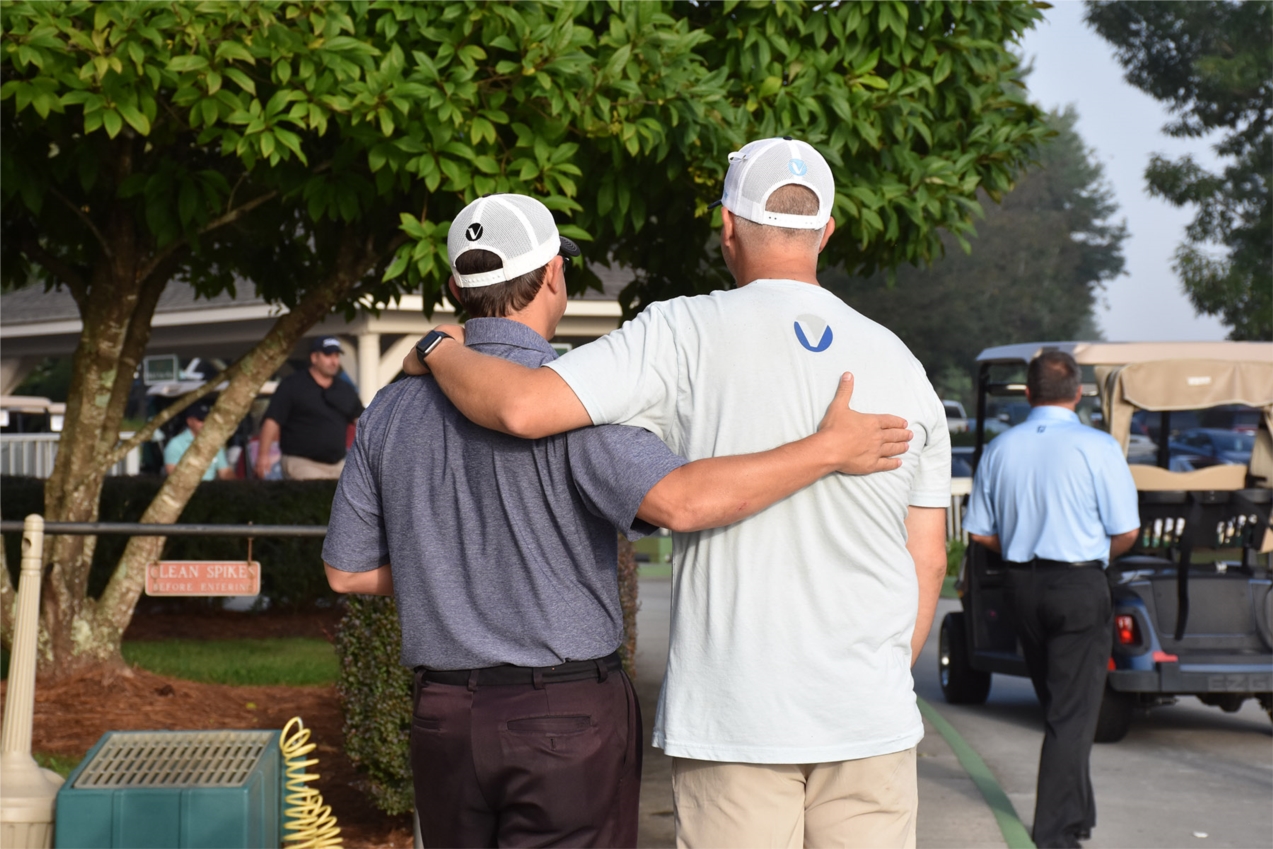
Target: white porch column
<point x="368" y="366"/>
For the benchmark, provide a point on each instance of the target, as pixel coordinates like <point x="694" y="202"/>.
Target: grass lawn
<point x="288" y="661"/>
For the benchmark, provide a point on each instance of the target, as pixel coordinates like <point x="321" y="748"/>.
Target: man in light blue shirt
<point x="1057" y="500"/>
<point x="176" y="447"/>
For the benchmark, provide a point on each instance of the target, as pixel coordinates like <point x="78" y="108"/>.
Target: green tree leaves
<point x="619" y="115"/>
<point x="1040" y="259"/>
<point x="1212" y="62"/>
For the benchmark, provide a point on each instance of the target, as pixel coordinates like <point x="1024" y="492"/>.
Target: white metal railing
<point x="960" y="488"/>
<point x="32" y="454"/>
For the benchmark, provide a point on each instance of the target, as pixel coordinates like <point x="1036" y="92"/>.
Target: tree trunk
<point x="78" y="632"/>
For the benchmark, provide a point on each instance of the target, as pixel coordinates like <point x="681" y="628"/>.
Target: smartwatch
<point x="431" y="340"/>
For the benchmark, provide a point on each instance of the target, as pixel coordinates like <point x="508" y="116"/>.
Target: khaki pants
<point x="305" y="469"/>
<point x="870" y="802"/>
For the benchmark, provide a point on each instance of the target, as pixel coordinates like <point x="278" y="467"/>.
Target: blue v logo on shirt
<point x="812" y="327"/>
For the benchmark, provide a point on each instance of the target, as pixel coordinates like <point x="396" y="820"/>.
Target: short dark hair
<point x="499" y="299"/>
<point x="1053" y="376"/>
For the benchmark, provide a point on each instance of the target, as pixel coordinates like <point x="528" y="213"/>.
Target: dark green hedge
<point x="375" y="692"/>
<point x="291" y="569"/>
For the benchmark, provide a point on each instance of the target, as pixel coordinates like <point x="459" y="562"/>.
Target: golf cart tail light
<point x="1127" y="630"/>
<point x="1163" y="657"/>
<point x="1112" y="666"/>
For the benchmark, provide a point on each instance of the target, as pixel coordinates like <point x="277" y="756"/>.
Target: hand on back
<point x="862" y="443"/>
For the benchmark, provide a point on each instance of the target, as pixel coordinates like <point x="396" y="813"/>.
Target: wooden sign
<point x="203" y="578"/>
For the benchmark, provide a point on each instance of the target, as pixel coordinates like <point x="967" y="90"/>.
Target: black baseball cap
<point x="326" y="344"/>
<point x="198" y="410"/>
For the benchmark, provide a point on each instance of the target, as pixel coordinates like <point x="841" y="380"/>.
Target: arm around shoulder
<point x="505" y="396"/>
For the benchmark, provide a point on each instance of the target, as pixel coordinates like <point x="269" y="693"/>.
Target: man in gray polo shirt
<point x="503" y="552"/>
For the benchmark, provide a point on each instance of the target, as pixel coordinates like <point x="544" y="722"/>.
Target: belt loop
<point x="537" y="678"/>
<point x="421" y="678"/>
<point x="472" y="680"/>
<point x="603" y="671"/>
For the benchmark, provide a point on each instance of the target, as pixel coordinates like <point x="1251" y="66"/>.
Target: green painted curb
<point x="1010" y="825"/>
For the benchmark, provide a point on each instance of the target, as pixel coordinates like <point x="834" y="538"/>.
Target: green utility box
<point x="169" y="789"/>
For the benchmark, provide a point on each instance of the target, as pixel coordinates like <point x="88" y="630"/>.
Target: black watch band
<point x="431" y="340"/>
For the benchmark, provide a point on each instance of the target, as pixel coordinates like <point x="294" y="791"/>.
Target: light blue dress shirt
<point x="177" y="446"/>
<point x="1054" y="488"/>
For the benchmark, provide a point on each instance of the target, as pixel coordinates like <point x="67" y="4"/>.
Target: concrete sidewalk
<point x="952" y="811"/>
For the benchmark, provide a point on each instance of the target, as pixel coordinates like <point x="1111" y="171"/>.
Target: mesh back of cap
<point x="762" y="167"/>
<point x="518" y="229"/>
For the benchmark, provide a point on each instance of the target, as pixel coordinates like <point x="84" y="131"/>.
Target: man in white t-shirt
<point x="788" y="703"/>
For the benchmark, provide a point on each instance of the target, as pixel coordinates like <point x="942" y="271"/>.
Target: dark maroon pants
<point x="521" y="765"/>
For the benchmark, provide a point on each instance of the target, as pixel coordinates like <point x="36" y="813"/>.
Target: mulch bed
<point x="70" y="715"/>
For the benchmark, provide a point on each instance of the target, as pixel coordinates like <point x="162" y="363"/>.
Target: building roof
<point x="32" y="304"/>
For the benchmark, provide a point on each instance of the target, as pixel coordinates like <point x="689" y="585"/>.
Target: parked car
<point x="1218" y="446"/>
<point x="956" y="418"/>
<point x="961" y="461"/>
<point x="1193" y="599"/>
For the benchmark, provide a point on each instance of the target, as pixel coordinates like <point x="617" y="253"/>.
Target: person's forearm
<point x="505" y="396"/>
<point x="721" y="490"/>
<point x="991" y="542"/>
<point x="926" y="542"/>
<point x="264" y="445"/>
<point x="375" y="582"/>
<point x="1121" y="544"/>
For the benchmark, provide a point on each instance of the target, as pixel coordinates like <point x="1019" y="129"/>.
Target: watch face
<point x="430" y="341"/>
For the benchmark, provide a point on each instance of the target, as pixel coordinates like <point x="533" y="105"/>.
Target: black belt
<point x="1044" y="563"/>
<point x="506" y="675"/>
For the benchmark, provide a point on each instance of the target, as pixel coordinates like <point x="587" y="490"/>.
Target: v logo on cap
<point x="474" y="232"/>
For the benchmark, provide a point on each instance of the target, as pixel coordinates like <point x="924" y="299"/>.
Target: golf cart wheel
<point x="1266" y="702"/>
<point x="960" y="683"/>
<point x="1115" y="718"/>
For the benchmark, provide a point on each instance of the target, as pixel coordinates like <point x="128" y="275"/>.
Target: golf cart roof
<point x="1125" y="353"/>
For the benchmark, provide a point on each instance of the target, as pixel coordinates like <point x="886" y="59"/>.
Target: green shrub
<point x="955" y="549"/>
<point x="375" y="692"/>
<point x="291" y="569"/>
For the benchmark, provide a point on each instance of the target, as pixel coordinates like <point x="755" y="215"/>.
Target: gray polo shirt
<point x="503" y="549"/>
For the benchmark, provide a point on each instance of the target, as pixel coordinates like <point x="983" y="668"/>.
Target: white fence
<point x="32" y="455"/>
<point x="960" y="488"/>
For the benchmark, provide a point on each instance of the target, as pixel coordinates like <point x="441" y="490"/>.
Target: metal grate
<point x="175" y="759"/>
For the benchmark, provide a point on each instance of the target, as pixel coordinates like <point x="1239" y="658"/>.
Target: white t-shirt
<point x="790" y="630"/>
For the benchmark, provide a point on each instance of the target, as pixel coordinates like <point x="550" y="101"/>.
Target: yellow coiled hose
<point x="309" y="823"/>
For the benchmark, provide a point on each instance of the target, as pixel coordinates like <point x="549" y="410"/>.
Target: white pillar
<point x="368" y="366"/>
<point x="27" y="792"/>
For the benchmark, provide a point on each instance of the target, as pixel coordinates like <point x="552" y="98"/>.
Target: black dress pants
<point x="553" y="764"/>
<point x="1064" y="618"/>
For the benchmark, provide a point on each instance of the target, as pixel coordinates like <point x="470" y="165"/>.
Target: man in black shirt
<point x="308" y="416"/>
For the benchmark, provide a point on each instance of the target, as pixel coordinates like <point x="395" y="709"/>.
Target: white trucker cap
<point x="764" y="166"/>
<point x="518" y="229"/>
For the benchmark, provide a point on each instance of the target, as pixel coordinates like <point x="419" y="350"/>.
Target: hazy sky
<point x="1073" y="65"/>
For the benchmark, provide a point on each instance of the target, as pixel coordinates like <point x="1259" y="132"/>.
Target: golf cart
<point x="1193" y="611"/>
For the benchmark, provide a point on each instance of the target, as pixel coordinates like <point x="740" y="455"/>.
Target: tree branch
<point x="229" y="217"/>
<point x="83" y="216"/>
<point x="168" y="414"/>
